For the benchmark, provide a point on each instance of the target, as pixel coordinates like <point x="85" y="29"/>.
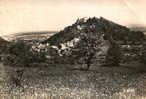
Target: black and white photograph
<point x="72" y="49"/>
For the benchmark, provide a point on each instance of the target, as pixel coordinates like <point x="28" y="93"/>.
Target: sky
<point x="53" y="15"/>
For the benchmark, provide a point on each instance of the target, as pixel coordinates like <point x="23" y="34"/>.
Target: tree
<point x="113" y="53"/>
<point x="86" y="48"/>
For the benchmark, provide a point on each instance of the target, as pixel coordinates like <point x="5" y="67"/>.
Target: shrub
<point x="19" y="53"/>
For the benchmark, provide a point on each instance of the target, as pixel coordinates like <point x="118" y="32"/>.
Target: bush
<point x="20" y="53"/>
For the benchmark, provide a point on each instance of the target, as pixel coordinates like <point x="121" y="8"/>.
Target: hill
<point x="35" y="35"/>
<point x="128" y="40"/>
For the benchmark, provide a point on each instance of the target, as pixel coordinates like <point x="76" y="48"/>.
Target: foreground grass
<point x="61" y="82"/>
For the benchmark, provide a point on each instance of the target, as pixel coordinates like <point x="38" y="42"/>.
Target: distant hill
<point x="136" y="27"/>
<point x="35" y="35"/>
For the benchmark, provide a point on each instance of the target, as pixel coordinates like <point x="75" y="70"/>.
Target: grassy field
<point x="62" y="82"/>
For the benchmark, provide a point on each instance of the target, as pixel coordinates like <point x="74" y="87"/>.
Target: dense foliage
<point x="19" y="54"/>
